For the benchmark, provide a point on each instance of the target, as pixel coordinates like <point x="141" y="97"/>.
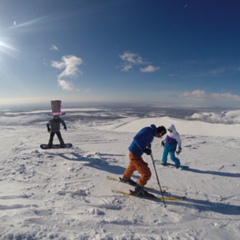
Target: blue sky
<point x="176" y="52"/>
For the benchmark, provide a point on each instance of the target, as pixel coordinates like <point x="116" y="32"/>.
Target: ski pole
<point x="158" y="181"/>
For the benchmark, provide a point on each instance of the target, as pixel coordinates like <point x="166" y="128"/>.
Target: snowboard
<point x="55" y="146"/>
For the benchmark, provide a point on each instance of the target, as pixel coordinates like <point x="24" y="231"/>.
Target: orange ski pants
<point x="137" y="164"/>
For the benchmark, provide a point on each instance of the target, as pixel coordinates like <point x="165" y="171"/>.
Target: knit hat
<point x="161" y="129"/>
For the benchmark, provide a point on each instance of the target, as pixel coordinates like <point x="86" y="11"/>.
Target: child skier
<point x="170" y="145"/>
<point x="141" y="144"/>
<point x="53" y="127"/>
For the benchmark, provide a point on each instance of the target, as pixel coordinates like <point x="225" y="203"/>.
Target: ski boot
<point x="128" y="181"/>
<point x="141" y="192"/>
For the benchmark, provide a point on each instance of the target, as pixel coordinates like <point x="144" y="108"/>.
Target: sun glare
<point x="6" y="48"/>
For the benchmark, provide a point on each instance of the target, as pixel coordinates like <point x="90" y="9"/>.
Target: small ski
<point x="152" y="197"/>
<point x="147" y="187"/>
<point x="182" y="167"/>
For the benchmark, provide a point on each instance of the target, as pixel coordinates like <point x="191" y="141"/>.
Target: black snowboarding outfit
<point x="53" y="127"/>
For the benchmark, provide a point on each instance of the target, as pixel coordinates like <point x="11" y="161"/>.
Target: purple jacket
<point x="170" y="140"/>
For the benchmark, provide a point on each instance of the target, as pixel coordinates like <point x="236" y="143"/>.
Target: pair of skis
<point x="151" y="196"/>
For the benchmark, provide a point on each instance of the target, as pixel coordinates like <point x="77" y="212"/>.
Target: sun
<point x="6" y="47"/>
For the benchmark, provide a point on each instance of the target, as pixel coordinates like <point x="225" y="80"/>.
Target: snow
<point x="64" y="194"/>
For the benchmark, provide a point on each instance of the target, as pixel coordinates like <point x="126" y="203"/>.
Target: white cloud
<point x="201" y="94"/>
<point x="59" y="65"/>
<point x="126" y="67"/>
<point x="131" y="58"/>
<point x="149" y="69"/>
<point x="54" y="48"/>
<point x="194" y="94"/>
<point x="66" y="85"/>
<point x="69" y="64"/>
<point x="227" y="96"/>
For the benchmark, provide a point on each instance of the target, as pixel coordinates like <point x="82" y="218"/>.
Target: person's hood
<point x="174" y="132"/>
<point x="172" y="128"/>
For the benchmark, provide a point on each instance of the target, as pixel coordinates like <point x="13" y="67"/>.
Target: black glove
<point x="148" y="151"/>
<point x="163" y="144"/>
<point x="179" y="150"/>
<point x="65" y="128"/>
<point x="49" y="130"/>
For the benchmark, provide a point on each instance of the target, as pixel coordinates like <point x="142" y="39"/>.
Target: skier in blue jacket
<point x="170" y="144"/>
<point x="141" y="144"/>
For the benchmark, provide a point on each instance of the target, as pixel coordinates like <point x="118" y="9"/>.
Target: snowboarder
<point x="170" y="145"/>
<point x="141" y="144"/>
<point x="53" y="127"/>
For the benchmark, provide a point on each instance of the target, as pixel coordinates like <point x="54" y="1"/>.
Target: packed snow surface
<point x="65" y="193"/>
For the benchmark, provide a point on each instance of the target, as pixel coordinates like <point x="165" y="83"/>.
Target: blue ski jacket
<point x="142" y="140"/>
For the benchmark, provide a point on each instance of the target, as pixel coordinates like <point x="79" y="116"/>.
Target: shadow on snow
<point x="102" y="163"/>
<point x="223" y="174"/>
<point x="206" y="205"/>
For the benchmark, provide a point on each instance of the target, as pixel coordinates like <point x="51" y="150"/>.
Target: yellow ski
<point x="153" y="197"/>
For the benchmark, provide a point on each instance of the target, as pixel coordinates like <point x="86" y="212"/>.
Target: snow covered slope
<point x="64" y="194"/>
